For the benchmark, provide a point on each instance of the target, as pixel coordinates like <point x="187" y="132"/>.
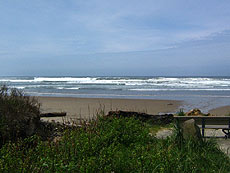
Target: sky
<point x="114" y="38"/>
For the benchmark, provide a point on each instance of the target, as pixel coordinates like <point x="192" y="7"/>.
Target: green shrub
<point x="181" y="113"/>
<point x="18" y="114"/>
<point x="112" y="145"/>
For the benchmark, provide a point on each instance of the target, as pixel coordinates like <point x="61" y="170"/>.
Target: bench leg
<point x="203" y="126"/>
<point x="203" y="132"/>
<point x="226" y="132"/>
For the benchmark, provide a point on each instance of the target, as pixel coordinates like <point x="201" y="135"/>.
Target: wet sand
<point x="88" y="107"/>
<point x="221" y="111"/>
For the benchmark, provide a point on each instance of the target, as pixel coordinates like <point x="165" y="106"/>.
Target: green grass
<point x="112" y="145"/>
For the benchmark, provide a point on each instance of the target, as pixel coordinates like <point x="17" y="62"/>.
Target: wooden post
<point x="203" y="126"/>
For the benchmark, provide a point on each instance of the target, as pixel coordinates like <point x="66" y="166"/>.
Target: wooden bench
<point x="209" y="122"/>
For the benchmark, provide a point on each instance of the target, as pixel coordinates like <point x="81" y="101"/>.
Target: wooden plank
<point x="220" y="120"/>
<point x="214" y="126"/>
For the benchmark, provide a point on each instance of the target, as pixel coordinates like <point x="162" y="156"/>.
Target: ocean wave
<point x="16" y="80"/>
<point x="63" y="79"/>
<point x="130" y="83"/>
<point x="119" y="80"/>
<point x="180" y="89"/>
<point x="18" y="87"/>
<point x="73" y="88"/>
<point x="60" y="88"/>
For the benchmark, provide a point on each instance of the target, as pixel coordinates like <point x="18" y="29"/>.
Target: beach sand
<point x="88" y="107"/>
<point x="220" y="111"/>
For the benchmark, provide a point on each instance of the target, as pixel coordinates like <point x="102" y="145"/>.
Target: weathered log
<point x="161" y="119"/>
<point x="53" y="114"/>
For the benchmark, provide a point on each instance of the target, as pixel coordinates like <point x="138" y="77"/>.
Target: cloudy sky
<point x="115" y="37"/>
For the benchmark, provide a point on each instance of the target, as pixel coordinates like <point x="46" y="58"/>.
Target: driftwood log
<point x="53" y="114"/>
<point x="159" y="119"/>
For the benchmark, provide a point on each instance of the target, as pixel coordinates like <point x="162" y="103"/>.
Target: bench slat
<point x="214" y="126"/>
<point x="220" y="120"/>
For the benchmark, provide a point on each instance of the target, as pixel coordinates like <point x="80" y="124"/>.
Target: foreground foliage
<point x="19" y="114"/>
<point x="112" y="145"/>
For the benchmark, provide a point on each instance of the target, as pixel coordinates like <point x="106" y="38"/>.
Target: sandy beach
<point x="221" y="111"/>
<point x="88" y="107"/>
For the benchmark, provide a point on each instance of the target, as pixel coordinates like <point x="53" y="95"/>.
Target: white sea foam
<point x="180" y="89"/>
<point x="16" y="80"/>
<point x="60" y="88"/>
<point x="19" y="87"/>
<point x="121" y="83"/>
<point x="73" y="88"/>
<point x="63" y="79"/>
<point x="125" y="81"/>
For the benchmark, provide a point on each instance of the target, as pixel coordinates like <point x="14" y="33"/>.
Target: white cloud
<point x="94" y="26"/>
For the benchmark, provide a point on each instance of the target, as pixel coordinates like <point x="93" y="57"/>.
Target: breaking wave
<point x="118" y="84"/>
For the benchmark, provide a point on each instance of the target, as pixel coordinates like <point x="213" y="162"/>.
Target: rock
<point x="194" y="112"/>
<point x="159" y="119"/>
<point x="208" y="114"/>
<point x="190" y="130"/>
<point x="163" y="134"/>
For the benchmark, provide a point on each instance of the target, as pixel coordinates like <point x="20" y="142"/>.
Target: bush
<point x="19" y="114"/>
<point x="181" y="113"/>
<point x="112" y="145"/>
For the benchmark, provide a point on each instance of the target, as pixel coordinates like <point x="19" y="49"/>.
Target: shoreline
<point x="87" y="108"/>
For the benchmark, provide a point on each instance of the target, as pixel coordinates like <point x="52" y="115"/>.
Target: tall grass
<point x="112" y="145"/>
<point x="17" y="113"/>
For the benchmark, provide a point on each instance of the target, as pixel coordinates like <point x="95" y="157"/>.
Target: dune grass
<point x="17" y="113"/>
<point x="112" y="145"/>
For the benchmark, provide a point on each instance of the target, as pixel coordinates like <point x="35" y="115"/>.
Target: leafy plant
<point x="181" y="113"/>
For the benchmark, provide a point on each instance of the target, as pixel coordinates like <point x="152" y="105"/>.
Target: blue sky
<point x="119" y="37"/>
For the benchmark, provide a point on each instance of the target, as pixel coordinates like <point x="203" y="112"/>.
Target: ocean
<point x="200" y="92"/>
